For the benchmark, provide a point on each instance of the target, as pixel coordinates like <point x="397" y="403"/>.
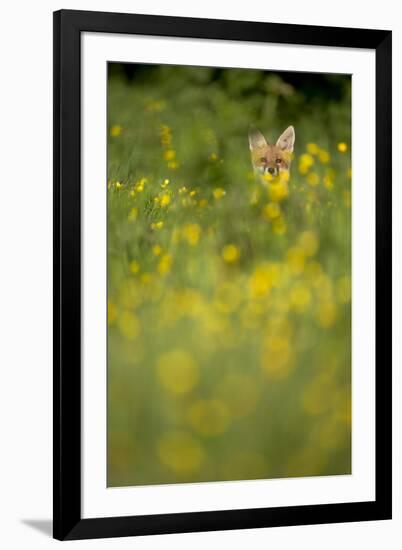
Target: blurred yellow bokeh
<point x="177" y="371"/>
<point x="229" y="286"/>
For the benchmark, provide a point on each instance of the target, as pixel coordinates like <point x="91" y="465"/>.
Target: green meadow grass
<point x="229" y="325"/>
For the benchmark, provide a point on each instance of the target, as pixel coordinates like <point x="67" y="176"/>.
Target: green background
<point x="229" y="337"/>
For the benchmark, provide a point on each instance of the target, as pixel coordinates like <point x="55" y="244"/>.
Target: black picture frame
<point x="68" y="27"/>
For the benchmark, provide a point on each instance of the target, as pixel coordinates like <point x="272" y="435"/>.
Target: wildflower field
<point x="229" y="303"/>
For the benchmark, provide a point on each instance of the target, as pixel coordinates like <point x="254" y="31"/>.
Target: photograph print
<point x="229" y="274"/>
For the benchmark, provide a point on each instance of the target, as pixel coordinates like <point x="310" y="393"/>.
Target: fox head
<point x="271" y="159"/>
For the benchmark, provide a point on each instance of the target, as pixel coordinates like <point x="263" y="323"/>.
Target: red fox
<point x="271" y="161"/>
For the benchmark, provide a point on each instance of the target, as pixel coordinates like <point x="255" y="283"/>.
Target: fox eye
<point x="278" y="161"/>
<point x="263" y="159"/>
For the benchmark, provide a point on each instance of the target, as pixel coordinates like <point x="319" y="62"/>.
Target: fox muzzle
<point x="271" y="170"/>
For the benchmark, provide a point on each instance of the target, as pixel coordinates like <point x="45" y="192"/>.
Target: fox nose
<point x="271" y="170"/>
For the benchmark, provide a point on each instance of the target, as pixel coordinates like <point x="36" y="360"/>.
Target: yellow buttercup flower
<point x="260" y="282"/>
<point x="157" y="249"/>
<point x="278" y="190"/>
<point x="306" y="161"/>
<point x="191" y="233"/>
<point x="265" y="276"/>
<point x="177" y="371"/>
<point x="324" y="156"/>
<point x="272" y="210"/>
<point x="165" y="135"/>
<point x="134" y="266"/>
<point x="219" y="193"/>
<point x="300" y="298"/>
<point x="165" y="264"/>
<point x="296" y="258"/>
<point x="312" y="148"/>
<point x="116" y="130"/>
<point x="267" y="177"/>
<point x="157" y="225"/>
<point x="164" y="199"/>
<point x="313" y="179"/>
<point x="328" y="182"/>
<point x="230" y="253"/>
<point x="169" y="154"/>
<point x="342" y="147"/>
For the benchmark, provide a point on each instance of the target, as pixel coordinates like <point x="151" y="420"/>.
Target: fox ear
<point x="286" y="140"/>
<point x="256" y="139"/>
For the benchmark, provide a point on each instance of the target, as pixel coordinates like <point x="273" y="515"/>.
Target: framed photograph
<point x="222" y="275"/>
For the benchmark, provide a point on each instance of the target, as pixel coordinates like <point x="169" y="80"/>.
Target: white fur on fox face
<point x="268" y="170"/>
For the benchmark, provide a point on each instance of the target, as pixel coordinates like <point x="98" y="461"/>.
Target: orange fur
<point x="271" y="159"/>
